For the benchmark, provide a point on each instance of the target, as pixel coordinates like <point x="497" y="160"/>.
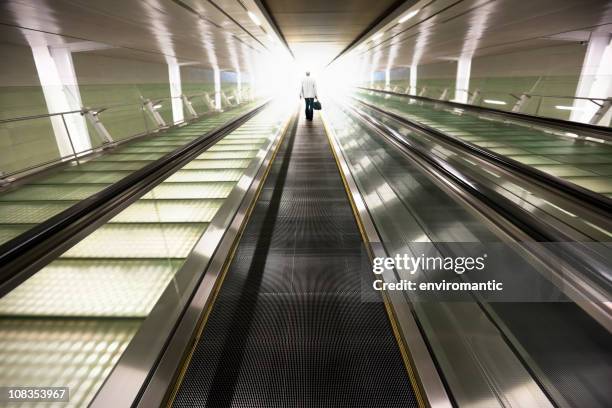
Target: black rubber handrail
<point x="599" y="131"/>
<point x="25" y="254"/>
<point x="574" y="253"/>
<point x="599" y="202"/>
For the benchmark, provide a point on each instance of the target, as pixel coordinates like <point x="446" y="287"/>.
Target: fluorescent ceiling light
<point x="408" y="16"/>
<point x="377" y="36"/>
<point x="494" y="102"/>
<point x="156" y="107"/>
<point x="561" y="107"/>
<point x="254" y="18"/>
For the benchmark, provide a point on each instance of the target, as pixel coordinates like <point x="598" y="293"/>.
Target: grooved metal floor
<point x="289" y="327"/>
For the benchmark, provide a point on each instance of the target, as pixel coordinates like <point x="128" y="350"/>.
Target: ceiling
<point x="444" y="30"/>
<point x="221" y="33"/>
<point x="318" y="30"/>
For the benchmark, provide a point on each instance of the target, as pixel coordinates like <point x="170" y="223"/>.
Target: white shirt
<point x="309" y="88"/>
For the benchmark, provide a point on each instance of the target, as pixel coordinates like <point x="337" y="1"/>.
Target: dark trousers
<point x="309" y="102"/>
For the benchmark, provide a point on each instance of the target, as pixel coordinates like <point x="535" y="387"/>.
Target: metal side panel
<point x="429" y="379"/>
<point x="138" y="368"/>
<point x="478" y="366"/>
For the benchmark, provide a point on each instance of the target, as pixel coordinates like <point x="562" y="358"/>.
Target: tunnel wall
<point x="550" y="71"/>
<point x="107" y="79"/>
<point x="197" y="81"/>
<point x="120" y="84"/>
<point x="24" y="143"/>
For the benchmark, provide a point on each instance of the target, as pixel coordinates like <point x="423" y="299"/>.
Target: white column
<point x="217" y="80"/>
<point x="239" y="86"/>
<point x="595" y="76"/>
<point x="252" y="84"/>
<point x="462" y="84"/>
<point x="176" y="91"/>
<point x="60" y="89"/>
<point x="413" y="79"/>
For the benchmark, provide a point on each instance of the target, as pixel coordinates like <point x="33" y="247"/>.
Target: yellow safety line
<point x="416" y="385"/>
<point x="203" y="320"/>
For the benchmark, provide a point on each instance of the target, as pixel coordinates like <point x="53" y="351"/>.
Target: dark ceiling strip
<point x="190" y="9"/>
<point x="468" y="11"/>
<point x="237" y="23"/>
<point x="265" y="10"/>
<point x="373" y="24"/>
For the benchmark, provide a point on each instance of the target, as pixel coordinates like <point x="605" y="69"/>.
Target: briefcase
<point x="316" y="105"/>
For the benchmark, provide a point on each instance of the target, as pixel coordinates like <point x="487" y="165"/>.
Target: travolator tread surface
<point x="289" y="327"/>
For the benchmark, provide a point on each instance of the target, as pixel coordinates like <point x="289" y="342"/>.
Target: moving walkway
<point x="580" y="154"/>
<point x="70" y="322"/>
<point x="261" y="251"/>
<point x="288" y="326"/>
<point x="37" y="198"/>
<point x="551" y="344"/>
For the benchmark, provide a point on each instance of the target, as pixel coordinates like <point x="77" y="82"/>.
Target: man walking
<point x="309" y="93"/>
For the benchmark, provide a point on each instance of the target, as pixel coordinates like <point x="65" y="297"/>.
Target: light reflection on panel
<point x="222" y="148"/>
<point x="218" y="164"/>
<point x="130" y="157"/>
<point x="192" y="175"/>
<point x="151" y="211"/>
<point x="138" y="241"/>
<point x="247" y="154"/>
<point x="78" y="354"/>
<point x="107" y="166"/>
<point x="44" y="193"/>
<point x="27" y="213"/>
<point x="190" y="190"/>
<point x="107" y="177"/>
<point x="69" y="287"/>
<point x="241" y="140"/>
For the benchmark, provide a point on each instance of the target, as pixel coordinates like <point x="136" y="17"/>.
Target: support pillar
<point x="462" y="83"/>
<point x="413" y="80"/>
<point x="60" y="89"/>
<point x="595" y="77"/>
<point x="387" y="78"/>
<point x="217" y="80"/>
<point x="238" y="87"/>
<point x="176" y="92"/>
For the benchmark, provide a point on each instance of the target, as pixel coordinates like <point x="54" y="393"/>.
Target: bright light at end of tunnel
<point x="494" y="102"/>
<point x="254" y="17"/>
<point x="408" y="16"/>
